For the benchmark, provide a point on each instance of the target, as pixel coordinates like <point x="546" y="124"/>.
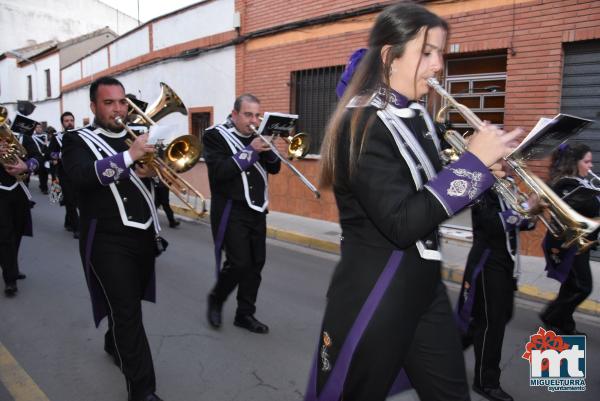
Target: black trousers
<point x="576" y="288"/>
<point x="69" y="201"/>
<point x="433" y="361"/>
<point x="493" y="309"/>
<point x="42" y="173"/>
<point x="14" y="212"/>
<point x="122" y="261"/>
<point x="245" y="252"/>
<point x="161" y="198"/>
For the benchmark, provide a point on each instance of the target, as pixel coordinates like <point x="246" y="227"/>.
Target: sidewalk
<point x="324" y="235"/>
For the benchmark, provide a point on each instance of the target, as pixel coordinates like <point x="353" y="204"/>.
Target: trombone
<point x="297" y="148"/>
<point x="176" y="156"/>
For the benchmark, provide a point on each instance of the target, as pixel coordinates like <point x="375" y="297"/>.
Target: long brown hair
<point x="565" y="160"/>
<point x="395" y="26"/>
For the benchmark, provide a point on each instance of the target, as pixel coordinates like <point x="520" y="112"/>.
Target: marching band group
<point x="386" y="303"/>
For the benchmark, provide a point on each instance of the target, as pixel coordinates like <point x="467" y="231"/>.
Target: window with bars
<point x="313" y="98"/>
<point x="480" y="84"/>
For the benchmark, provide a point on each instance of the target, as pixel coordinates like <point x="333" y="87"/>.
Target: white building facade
<point x="152" y="53"/>
<point x="25" y="22"/>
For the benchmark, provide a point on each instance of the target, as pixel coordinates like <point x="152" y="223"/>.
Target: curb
<point x="451" y="273"/>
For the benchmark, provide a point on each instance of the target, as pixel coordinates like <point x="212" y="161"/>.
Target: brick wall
<point x="261" y="14"/>
<point x="531" y="33"/>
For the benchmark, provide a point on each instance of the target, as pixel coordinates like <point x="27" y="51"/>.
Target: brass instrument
<point x="595" y="185"/>
<point x="298" y="147"/>
<point x="167" y="102"/>
<point x="565" y="223"/>
<point x="178" y="155"/>
<point x="12" y="148"/>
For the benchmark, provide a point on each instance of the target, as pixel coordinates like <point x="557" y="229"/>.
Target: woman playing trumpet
<point x="570" y="167"/>
<point x="387" y="308"/>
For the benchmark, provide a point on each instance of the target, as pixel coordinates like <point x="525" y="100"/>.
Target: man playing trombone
<point x="119" y="230"/>
<point x="238" y="164"/>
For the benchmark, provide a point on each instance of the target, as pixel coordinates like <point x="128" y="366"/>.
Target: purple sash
<point x="332" y="390"/>
<point x="221" y="236"/>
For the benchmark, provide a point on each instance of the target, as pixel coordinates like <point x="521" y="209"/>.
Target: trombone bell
<point x="183" y="153"/>
<point x="298" y="145"/>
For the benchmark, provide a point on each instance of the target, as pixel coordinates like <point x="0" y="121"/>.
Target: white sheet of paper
<point x="162" y="133"/>
<point x="542" y="122"/>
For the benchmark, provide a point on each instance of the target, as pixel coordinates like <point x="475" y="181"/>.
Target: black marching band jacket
<point x="111" y="195"/>
<point x="583" y="197"/>
<point x="236" y="171"/>
<point x="10" y="183"/>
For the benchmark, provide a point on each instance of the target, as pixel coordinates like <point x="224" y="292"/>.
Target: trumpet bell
<point x="183" y="153"/>
<point x="298" y="146"/>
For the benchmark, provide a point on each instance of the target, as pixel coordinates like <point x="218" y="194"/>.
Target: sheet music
<point x="547" y="135"/>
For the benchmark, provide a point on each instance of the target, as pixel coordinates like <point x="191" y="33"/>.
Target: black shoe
<point x="45" y="192"/>
<point x="494" y="394"/>
<point x="214" y="312"/>
<point x="11" y="289"/>
<point x="21" y="276"/>
<point x="110" y="350"/>
<point x="76" y="234"/>
<point x="174" y="224"/>
<point x="68" y="228"/>
<point x="249" y="322"/>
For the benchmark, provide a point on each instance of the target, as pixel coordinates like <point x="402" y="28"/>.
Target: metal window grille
<point x="314" y="99"/>
<point x="200" y="122"/>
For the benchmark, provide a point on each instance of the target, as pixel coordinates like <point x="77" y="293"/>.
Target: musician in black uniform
<point x="119" y="229"/>
<point x="15" y="211"/>
<point x="68" y="192"/>
<point x="387" y="308"/>
<point x="238" y="164"/>
<point x="40" y="138"/>
<point x="570" y="167"/>
<point x="485" y="304"/>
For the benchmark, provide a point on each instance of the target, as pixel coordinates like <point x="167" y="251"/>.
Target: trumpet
<point x="176" y="156"/>
<point x="298" y="147"/>
<point x="12" y="150"/>
<point x="564" y="223"/>
<point x="595" y="185"/>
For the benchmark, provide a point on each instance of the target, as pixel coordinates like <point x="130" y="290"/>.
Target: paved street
<point x="48" y="327"/>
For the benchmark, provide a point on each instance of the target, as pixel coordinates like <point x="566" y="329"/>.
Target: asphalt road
<point x="49" y="332"/>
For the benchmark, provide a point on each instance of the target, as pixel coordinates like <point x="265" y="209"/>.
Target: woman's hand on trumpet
<point x="490" y="144"/>
<point x="140" y="147"/>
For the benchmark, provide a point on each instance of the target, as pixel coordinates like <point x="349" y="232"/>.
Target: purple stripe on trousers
<point x="558" y="269"/>
<point x="465" y="307"/>
<point x="221" y="235"/>
<point x="335" y="383"/>
<point x="96" y="294"/>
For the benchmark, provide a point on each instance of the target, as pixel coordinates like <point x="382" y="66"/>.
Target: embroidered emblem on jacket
<point x="246" y="154"/>
<point x="325" y="364"/>
<point x="512" y="219"/>
<point x="460" y="187"/>
<point x="113" y="170"/>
